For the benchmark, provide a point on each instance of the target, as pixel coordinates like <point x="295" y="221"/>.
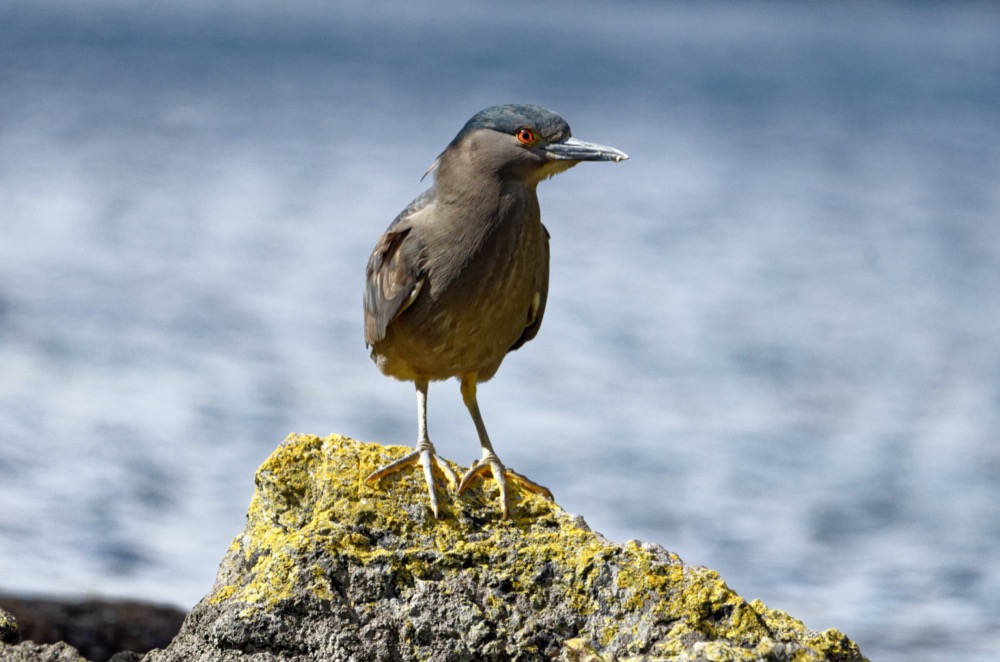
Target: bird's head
<point x="524" y="142"/>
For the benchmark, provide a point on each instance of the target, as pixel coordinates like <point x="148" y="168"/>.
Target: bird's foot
<point x="426" y="457"/>
<point x="491" y="464"/>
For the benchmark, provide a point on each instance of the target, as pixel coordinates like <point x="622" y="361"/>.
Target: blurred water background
<point x="772" y="343"/>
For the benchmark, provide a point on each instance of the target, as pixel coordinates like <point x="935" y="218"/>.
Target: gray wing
<point x="395" y="272"/>
<point x="537" y="310"/>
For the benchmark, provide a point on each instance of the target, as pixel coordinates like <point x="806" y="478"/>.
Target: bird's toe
<point x="491" y="466"/>
<point x="428" y="460"/>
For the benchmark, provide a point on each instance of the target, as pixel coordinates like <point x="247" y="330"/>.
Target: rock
<point x="330" y="568"/>
<point x="9" y="634"/>
<point x="126" y="656"/>
<point x="96" y="628"/>
<point x="29" y="651"/>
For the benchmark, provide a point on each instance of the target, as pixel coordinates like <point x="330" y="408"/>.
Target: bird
<point x="460" y="277"/>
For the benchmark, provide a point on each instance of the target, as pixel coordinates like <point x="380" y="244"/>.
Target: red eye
<point x="526" y="136"/>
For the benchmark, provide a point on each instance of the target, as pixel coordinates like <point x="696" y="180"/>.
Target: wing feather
<point x="537" y="309"/>
<point x="395" y="273"/>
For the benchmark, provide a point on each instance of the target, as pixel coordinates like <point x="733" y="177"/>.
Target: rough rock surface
<point x="330" y="568"/>
<point x="29" y="651"/>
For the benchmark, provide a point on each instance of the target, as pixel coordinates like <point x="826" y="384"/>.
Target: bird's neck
<point x="486" y="216"/>
<point x="487" y="206"/>
<point x="465" y="183"/>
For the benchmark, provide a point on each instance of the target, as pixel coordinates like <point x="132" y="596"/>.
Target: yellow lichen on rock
<point x="537" y="585"/>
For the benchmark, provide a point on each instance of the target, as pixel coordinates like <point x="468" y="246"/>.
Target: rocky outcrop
<point x="330" y="568"/>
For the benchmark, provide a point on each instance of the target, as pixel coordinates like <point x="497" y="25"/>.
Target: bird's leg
<point x="424" y="454"/>
<point x="489" y="462"/>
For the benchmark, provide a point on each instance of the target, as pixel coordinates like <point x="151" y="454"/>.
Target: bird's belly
<point x="438" y="339"/>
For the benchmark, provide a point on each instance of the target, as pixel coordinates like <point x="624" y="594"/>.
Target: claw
<point x="530" y="485"/>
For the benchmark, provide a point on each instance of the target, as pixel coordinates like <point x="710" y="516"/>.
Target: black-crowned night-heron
<point x="460" y="278"/>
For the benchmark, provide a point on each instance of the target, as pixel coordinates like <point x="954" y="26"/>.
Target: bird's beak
<point x="572" y="149"/>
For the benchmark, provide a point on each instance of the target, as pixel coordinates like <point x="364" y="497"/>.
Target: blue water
<point x="773" y="335"/>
